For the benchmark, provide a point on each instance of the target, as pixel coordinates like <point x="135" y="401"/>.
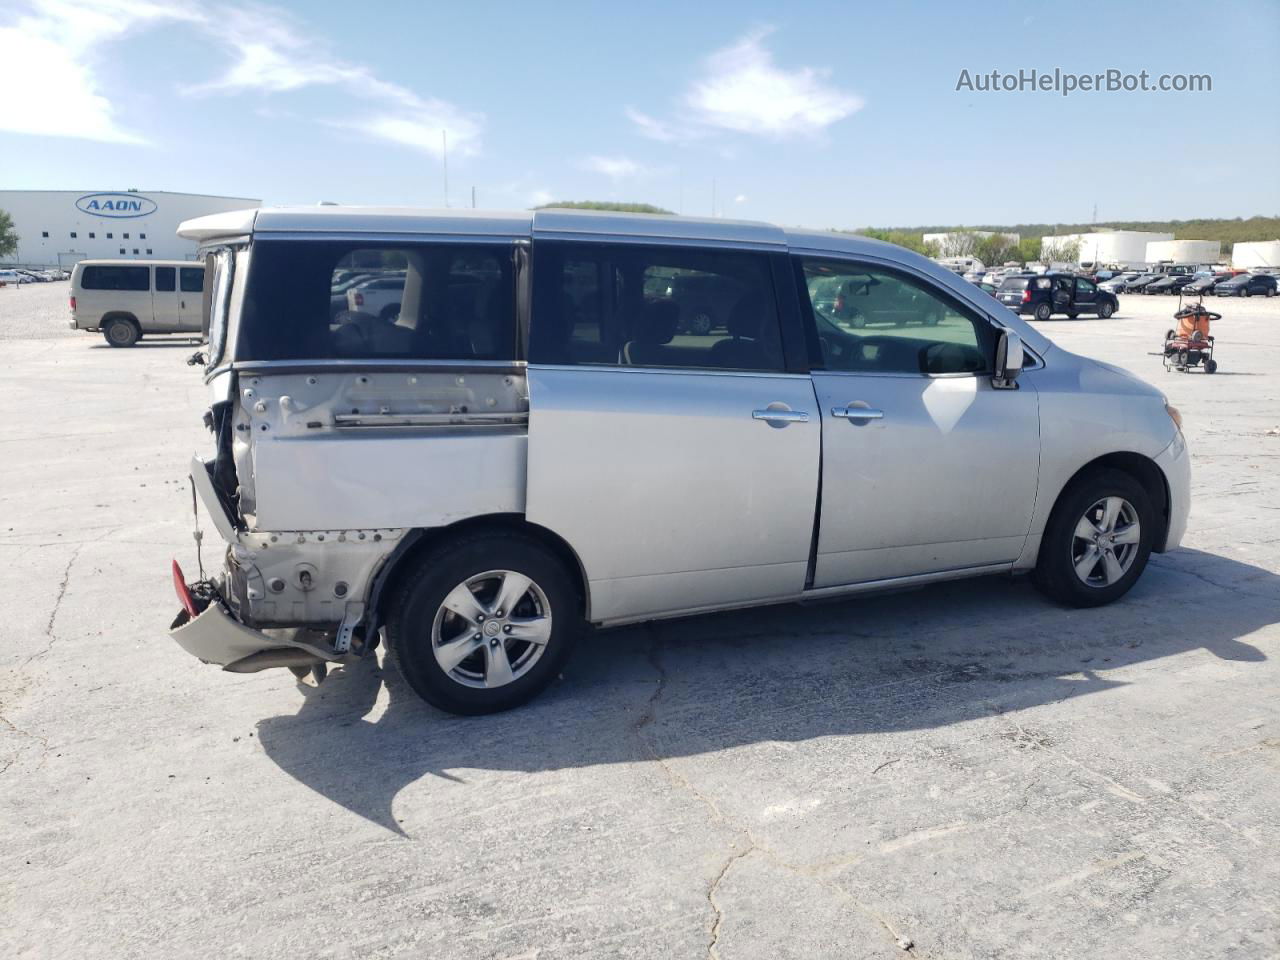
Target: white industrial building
<point x="1184" y="251"/>
<point x="1255" y="253"/>
<point x="57" y="228"/>
<point x="1125" y="247"/>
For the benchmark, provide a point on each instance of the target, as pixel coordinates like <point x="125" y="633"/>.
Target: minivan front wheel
<point x="1098" y="540"/>
<point x="484" y="622"/>
<point x="121" y="333"/>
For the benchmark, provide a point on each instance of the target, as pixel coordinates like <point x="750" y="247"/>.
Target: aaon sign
<point x="119" y="205"/>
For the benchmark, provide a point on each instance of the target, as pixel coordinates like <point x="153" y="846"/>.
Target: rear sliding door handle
<point x="857" y="413"/>
<point x="770" y="415"/>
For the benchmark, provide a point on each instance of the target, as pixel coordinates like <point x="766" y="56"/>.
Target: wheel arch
<point x="1143" y="469"/>
<point x="415" y="543"/>
<point x="119" y="315"/>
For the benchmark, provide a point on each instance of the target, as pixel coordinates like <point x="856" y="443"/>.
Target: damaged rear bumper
<point x="214" y="636"/>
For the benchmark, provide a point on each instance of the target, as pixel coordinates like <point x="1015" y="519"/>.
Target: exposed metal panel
<point x="411" y="479"/>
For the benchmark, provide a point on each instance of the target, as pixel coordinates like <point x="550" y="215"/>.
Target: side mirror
<point x="1008" y="361"/>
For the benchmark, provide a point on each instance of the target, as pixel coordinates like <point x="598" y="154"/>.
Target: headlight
<point x="1174" y="415"/>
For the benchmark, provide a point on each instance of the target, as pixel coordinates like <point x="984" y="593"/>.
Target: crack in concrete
<point x="676" y="779"/>
<point x="44" y="744"/>
<point x="57" y="605"/>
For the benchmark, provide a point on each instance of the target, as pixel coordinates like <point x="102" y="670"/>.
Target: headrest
<point x="658" y="322"/>
<point x="746" y="319"/>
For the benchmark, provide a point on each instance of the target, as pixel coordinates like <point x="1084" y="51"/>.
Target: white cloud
<point x="54" y="47"/>
<point x="615" y="168"/>
<point x="742" y="90"/>
<point x="540" y="198"/>
<point x="47" y="58"/>
<point x="740" y="198"/>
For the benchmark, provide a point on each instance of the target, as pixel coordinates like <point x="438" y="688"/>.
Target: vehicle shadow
<point x="147" y="343"/>
<point x="789" y="673"/>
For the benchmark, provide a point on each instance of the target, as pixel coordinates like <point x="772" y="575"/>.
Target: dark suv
<point x="1042" y="295"/>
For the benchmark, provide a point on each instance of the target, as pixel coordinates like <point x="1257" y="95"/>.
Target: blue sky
<point x="826" y="114"/>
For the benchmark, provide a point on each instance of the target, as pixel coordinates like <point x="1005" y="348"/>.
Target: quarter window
<point x="165" y="279"/>
<point x="324" y="300"/>
<point x="116" y="278"/>
<point x="874" y="321"/>
<point x="641" y="306"/>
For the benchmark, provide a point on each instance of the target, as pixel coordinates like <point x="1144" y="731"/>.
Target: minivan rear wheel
<point x="120" y="332"/>
<point x="484" y="622"/>
<point x="1098" y="540"/>
<point x="1043" y="311"/>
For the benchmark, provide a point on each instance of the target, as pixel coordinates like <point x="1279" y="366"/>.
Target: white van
<point x="127" y="299"/>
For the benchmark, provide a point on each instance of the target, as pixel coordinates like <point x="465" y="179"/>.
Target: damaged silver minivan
<point x="553" y="419"/>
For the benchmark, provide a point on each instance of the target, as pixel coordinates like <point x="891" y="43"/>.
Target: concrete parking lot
<point x="965" y="771"/>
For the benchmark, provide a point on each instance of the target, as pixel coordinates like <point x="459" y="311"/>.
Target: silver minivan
<point x="534" y="441"/>
<point x="129" y="299"/>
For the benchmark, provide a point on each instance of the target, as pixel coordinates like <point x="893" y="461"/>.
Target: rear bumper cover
<point x="215" y="636"/>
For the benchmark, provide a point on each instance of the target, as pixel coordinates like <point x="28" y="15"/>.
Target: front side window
<point x="427" y="301"/>
<point x="643" y="306"/>
<point x="116" y="278"/>
<point x="1083" y="286"/>
<point x="165" y="279"/>
<point x="871" y="320"/>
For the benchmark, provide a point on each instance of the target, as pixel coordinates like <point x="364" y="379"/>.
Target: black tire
<point x="1246" y="292"/>
<point x="1210" y="365"/>
<point x="119" y="332"/>
<point x="1055" y="573"/>
<point x="1043" y="311"/>
<point x="1105" y="310"/>
<point x="700" y="323"/>
<point x="419" y="598"/>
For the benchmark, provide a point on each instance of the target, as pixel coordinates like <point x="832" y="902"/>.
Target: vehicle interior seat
<point x="745" y="347"/>
<point x="654" y="331"/>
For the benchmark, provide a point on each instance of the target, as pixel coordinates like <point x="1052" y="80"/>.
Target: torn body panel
<point x="306" y="539"/>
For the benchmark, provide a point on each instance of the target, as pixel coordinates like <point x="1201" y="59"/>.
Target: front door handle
<point x="857" y="413"/>
<point x="771" y="415"/>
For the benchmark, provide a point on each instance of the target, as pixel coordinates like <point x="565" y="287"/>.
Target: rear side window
<point x="116" y="278"/>
<point x="191" y="279"/>
<point x="165" y="279"/>
<point x="412" y="301"/>
<point x="642" y="306"/>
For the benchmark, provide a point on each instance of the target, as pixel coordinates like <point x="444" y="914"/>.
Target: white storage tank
<point x="1255" y="253"/>
<point x="1184" y="251"/>
<point x="1125" y="247"/>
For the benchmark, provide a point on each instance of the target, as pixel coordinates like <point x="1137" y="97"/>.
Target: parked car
<point x="1117" y="283"/>
<point x="9" y="278"/>
<point x="529" y="448"/>
<point x="1205" y="283"/>
<point x="1169" y="283"/>
<point x="380" y="297"/>
<point x="1137" y="283"/>
<point x="338" y="291"/>
<point x="1247" y="285"/>
<point x="129" y="299"/>
<point x="1043" y="295"/>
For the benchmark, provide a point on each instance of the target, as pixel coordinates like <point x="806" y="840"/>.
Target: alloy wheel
<point x="1105" y="542"/>
<point x="491" y="629"/>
